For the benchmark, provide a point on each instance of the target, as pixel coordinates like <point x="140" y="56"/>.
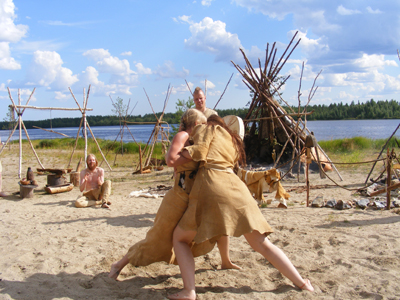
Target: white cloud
<point x="347" y="12"/>
<point x="211" y="36"/>
<point x="182" y="89"/>
<point x="142" y="70"/>
<point x="373" y="61"/>
<point x="6" y="61"/>
<point x="89" y="76"/>
<point x="61" y="96"/>
<point x="371" y="11"/>
<point x="206" y="2"/>
<point x="210" y="85"/>
<point x="46" y="70"/>
<point x="126" y="53"/>
<point x="9" y="32"/>
<point x="183" y="19"/>
<point x="311" y="47"/>
<point x="167" y="70"/>
<point x="97" y="54"/>
<point x="27" y="47"/>
<point x="295" y="72"/>
<point x="120" y="71"/>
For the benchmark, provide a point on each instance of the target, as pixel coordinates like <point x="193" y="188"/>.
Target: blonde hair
<point x="197" y="90"/>
<point x="91" y="155"/>
<point x="190" y="117"/>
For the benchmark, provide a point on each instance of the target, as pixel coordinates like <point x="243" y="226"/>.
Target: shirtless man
<point x="200" y="101"/>
<point x="97" y="191"/>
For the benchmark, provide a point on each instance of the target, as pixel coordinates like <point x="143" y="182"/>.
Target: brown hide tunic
<point x="157" y="246"/>
<point x="219" y="203"/>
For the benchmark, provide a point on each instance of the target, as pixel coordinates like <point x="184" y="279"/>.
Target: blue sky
<point x="124" y="47"/>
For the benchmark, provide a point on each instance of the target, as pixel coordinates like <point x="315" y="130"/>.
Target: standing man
<point x="97" y="191"/>
<point x="200" y="101"/>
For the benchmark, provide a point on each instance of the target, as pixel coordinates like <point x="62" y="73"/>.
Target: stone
<point x="318" y="202"/>
<point x="331" y="203"/>
<point x="363" y="203"/>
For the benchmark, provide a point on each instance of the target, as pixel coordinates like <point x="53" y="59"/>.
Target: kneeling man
<point x="96" y="190"/>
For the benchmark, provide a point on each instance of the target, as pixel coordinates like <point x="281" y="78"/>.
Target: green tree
<point x="10" y="121"/>
<point x="120" y="109"/>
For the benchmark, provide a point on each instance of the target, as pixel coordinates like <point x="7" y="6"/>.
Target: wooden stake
<point x="30" y="143"/>
<point x="98" y="146"/>
<point x="140" y="159"/>
<point x="388" y="178"/>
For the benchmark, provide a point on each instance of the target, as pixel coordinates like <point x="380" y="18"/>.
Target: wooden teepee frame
<point x="157" y="135"/>
<point x="85" y="126"/>
<point x="122" y="124"/>
<point x="266" y="120"/>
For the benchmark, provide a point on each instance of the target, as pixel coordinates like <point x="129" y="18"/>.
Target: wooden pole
<point x="380" y="153"/>
<point x="98" y="146"/>
<point x="85" y="133"/>
<point x="30" y="143"/>
<point x="20" y="135"/>
<point x="308" y="161"/>
<point x="388" y="178"/>
<point x="140" y="159"/>
<point x="76" y="143"/>
<point x="46" y="108"/>
<point x="51" y="131"/>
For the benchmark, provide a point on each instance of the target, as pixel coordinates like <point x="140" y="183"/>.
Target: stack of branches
<point x="269" y="128"/>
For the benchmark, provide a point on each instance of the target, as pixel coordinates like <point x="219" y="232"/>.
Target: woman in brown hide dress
<point x="220" y="204"/>
<point x="157" y="246"/>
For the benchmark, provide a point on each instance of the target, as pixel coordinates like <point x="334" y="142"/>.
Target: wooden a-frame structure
<point x="20" y="109"/>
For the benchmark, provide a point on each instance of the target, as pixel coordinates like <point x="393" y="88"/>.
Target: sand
<point x="52" y="250"/>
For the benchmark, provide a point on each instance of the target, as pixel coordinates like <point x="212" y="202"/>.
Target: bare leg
<point x="277" y="258"/>
<point x="84" y="202"/>
<point x="117" y="267"/>
<point x="223" y="247"/>
<point x="105" y="192"/>
<point x="181" y="241"/>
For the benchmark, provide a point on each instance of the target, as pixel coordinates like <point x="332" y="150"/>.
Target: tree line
<point x="335" y="111"/>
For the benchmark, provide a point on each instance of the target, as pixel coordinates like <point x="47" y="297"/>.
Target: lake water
<point x="323" y="130"/>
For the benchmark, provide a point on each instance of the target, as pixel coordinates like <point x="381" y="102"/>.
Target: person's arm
<point x="100" y="179"/>
<point x="173" y="157"/>
<point x="83" y="180"/>
<point x="185" y="153"/>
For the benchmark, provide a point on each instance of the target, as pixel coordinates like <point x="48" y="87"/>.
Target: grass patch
<point x="105" y="145"/>
<point x="357" y="149"/>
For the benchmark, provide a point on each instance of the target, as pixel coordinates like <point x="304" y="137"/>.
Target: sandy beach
<point x="52" y="250"/>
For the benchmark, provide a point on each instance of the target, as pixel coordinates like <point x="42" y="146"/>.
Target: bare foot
<point x="307" y="286"/>
<point x="3" y="194"/>
<point x="114" y="272"/>
<point x="183" y="295"/>
<point x="105" y="205"/>
<point x="230" y="265"/>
